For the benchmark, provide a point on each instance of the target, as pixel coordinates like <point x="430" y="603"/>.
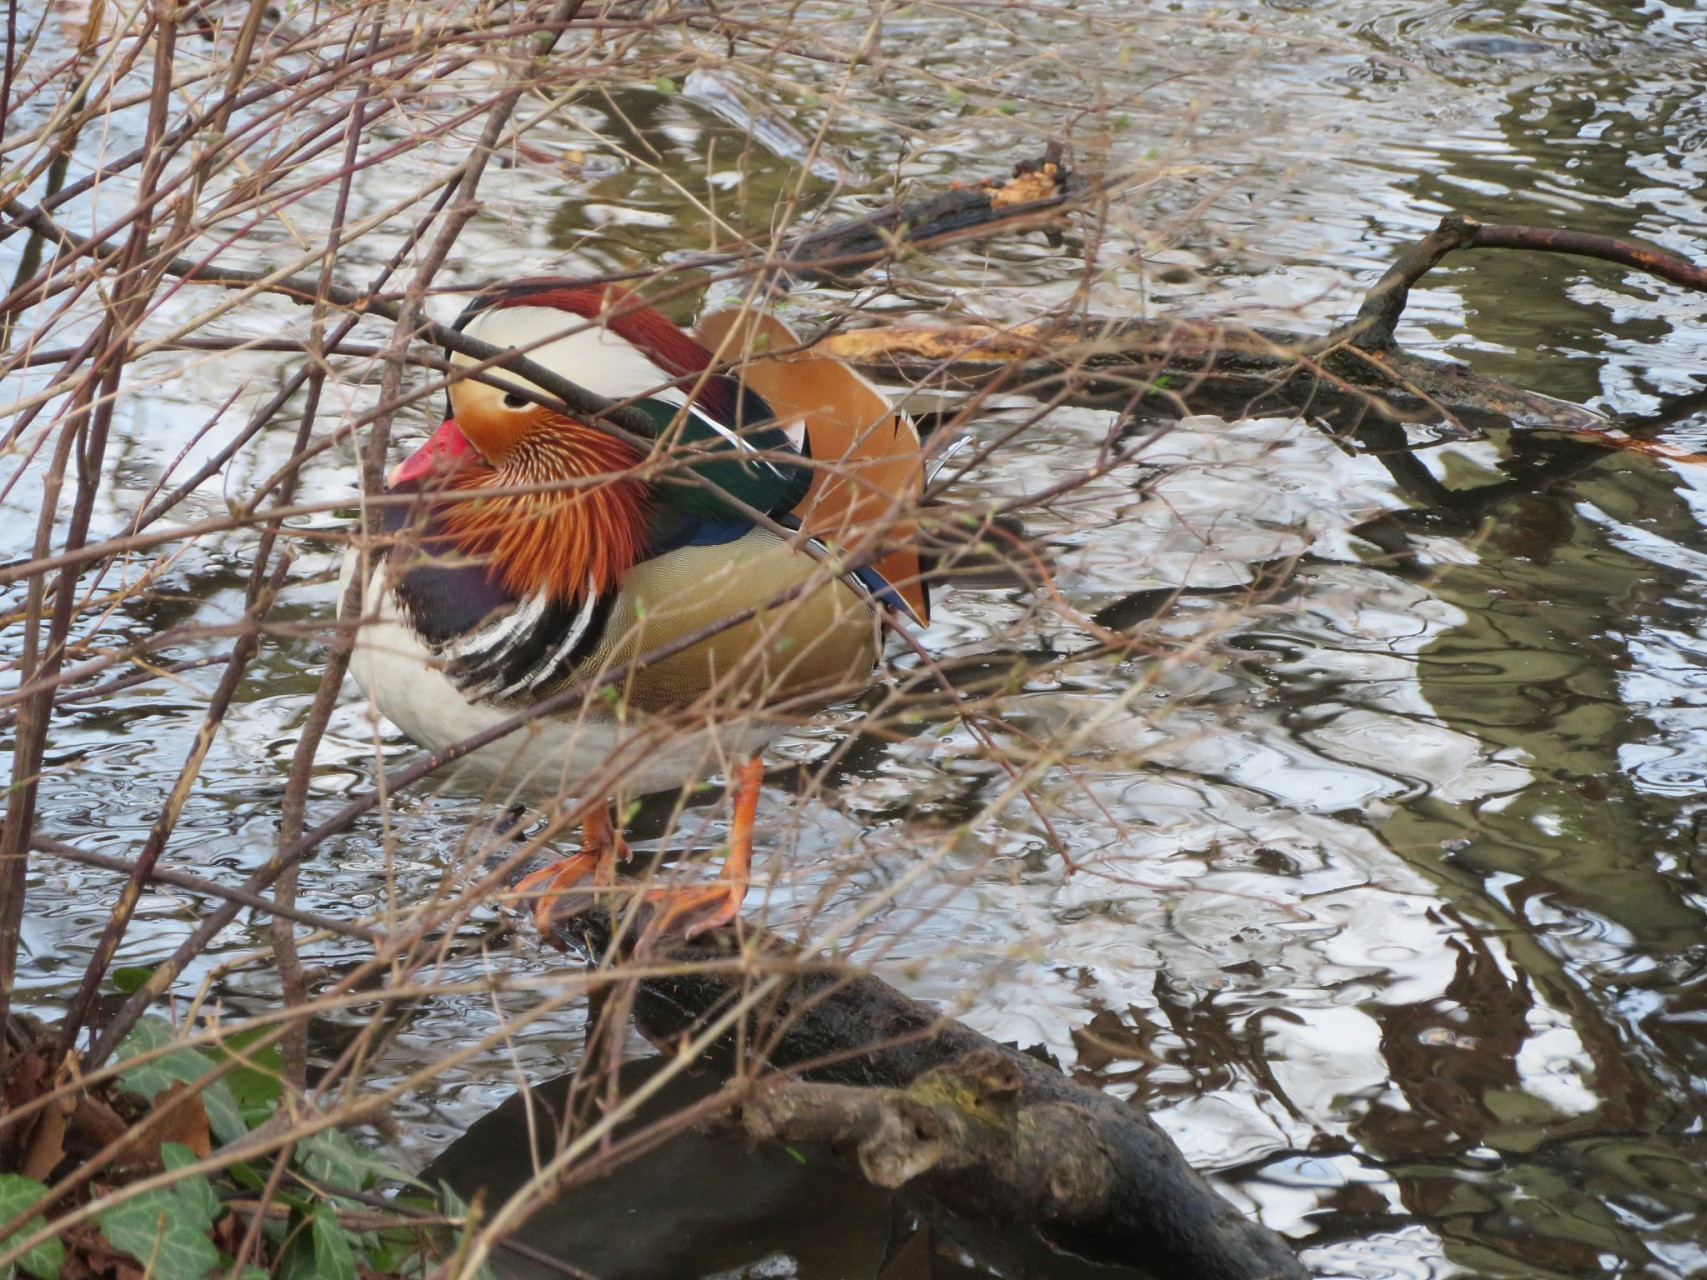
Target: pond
<point x="1387" y="894"/>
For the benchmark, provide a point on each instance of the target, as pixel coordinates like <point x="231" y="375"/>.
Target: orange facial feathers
<point x="587" y="526"/>
<point x="581" y="532"/>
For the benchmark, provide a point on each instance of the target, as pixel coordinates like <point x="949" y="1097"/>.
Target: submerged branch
<point x="1353" y="374"/>
<point x="1372" y="330"/>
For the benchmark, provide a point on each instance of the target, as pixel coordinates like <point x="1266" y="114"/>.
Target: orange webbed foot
<point x="548" y="885"/>
<point x="601" y="846"/>
<point x="688" y="912"/>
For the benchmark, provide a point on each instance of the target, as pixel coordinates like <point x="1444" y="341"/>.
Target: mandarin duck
<point x="588" y="554"/>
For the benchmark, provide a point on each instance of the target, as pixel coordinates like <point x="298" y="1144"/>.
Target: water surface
<point x="1389" y="897"/>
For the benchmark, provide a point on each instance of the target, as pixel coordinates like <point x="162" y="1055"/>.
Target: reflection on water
<point x="1390" y="890"/>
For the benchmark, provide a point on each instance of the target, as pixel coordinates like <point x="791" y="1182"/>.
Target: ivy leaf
<point x="295" y="1247"/>
<point x="165" y="1229"/>
<point x="163" y="1234"/>
<point x="224" y="1116"/>
<point x="245" y="1176"/>
<point x="16" y="1195"/>
<point x="129" y="978"/>
<point x="333" y="1257"/>
<point x="334" y="1160"/>
<point x="255" y="1083"/>
<point x="194" y="1193"/>
<point x="182" y="1063"/>
<point x="149" y="1078"/>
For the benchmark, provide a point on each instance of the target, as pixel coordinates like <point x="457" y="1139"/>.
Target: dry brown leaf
<point x="24" y="1080"/>
<point x="47" y="1140"/>
<point x="47" y="1144"/>
<point x="183" y="1119"/>
<point x="88" y="1256"/>
<point x="95" y="1126"/>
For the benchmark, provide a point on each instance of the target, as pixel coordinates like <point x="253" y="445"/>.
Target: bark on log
<point x="990" y="1132"/>
<point x="1039" y="194"/>
<point x="1241" y="371"/>
<point x="1201" y="366"/>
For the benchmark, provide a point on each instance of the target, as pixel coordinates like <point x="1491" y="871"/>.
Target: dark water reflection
<point x="1592" y="863"/>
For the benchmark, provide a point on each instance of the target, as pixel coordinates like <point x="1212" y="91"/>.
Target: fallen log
<point x="1197" y="366"/>
<point x="1351" y="376"/>
<point x="916" y="1098"/>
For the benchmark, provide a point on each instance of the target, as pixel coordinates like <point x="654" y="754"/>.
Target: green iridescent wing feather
<point x="754" y="463"/>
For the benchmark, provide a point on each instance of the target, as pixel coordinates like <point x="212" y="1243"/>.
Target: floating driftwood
<point x="914" y="1097"/>
<point x="1039" y="194"/>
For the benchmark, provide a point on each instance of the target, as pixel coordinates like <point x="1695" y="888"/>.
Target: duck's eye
<point x="514" y="401"/>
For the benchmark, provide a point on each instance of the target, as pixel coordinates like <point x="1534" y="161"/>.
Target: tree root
<point x="919" y="1099"/>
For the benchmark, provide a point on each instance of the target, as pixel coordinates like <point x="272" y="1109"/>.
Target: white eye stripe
<point x="594" y="357"/>
<point x="598" y="360"/>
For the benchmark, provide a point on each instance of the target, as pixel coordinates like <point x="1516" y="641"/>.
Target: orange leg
<point x="601" y="846"/>
<point x="687" y="913"/>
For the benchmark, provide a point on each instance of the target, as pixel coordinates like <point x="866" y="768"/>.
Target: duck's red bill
<point x="442" y="453"/>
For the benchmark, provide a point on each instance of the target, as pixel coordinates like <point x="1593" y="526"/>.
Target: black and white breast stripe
<point x="525" y="651"/>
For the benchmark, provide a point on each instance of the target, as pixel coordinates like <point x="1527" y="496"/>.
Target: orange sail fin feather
<point x="868" y="465"/>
